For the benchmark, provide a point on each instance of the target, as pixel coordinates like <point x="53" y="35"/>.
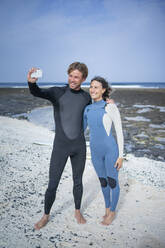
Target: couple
<point x="73" y="111"/>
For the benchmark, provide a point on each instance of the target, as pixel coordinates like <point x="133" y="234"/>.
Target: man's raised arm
<point x="35" y="90"/>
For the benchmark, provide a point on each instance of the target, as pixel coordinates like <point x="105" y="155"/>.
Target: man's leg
<point x="78" y="165"/>
<point x="57" y="164"/>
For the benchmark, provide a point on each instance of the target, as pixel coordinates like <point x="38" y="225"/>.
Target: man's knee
<point x="103" y="182"/>
<point x="77" y="181"/>
<point x="112" y="182"/>
<point x="52" y="185"/>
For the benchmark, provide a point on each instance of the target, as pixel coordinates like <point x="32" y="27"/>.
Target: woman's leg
<point x="99" y="165"/>
<point x="112" y="178"/>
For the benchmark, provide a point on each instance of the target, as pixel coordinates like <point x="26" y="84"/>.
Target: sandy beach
<point x="25" y="151"/>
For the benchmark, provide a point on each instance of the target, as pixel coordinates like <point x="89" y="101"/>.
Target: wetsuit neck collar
<point x="74" y="91"/>
<point x="99" y="102"/>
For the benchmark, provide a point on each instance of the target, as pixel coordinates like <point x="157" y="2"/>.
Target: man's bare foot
<point x="42" y="222"/>
<point x="107" y="212"/>
<point x="108" y="219"/>
<point x="79" y="217"/>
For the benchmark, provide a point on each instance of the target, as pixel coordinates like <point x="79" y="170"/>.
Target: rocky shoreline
<point x="142" y="112"/>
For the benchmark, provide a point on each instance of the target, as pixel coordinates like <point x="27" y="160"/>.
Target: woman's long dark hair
<point x="105" y="85"/>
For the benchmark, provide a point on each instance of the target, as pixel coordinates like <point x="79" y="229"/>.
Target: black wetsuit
<point x="69" y="139"/>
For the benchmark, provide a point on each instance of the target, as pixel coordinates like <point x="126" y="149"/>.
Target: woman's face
<point x="96" y="91"/>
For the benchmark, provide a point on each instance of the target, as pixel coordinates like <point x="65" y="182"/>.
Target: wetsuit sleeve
<point x="85" y="123"/>
<point x="43" y="93"/>
<point x="114" y="114"/>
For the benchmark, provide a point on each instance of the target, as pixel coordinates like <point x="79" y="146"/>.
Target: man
<point x="68" y="103"/>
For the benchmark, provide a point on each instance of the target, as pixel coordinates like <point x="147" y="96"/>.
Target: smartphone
<point x="37" y="74"/>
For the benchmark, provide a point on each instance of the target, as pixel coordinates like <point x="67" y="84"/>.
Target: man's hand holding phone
<point x="34" y="74"/>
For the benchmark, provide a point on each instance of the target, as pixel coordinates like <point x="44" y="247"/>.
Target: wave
<point x="133" y="85"/>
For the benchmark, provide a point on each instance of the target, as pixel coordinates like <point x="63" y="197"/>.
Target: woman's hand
<point x="119" y="163"/>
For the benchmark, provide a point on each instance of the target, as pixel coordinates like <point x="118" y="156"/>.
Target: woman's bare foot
<point x="79" y="217"/>
<point x="108" y="219"/>
<point x="42" y="222"/>
<point x="107" y="212"/>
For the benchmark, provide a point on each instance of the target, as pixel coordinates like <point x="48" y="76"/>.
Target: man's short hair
<point x="79" y="66"/>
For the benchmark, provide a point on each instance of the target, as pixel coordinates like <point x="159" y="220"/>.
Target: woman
<point x="107" y="155"/>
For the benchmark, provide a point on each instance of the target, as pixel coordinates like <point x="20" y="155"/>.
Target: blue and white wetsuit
<point x="99" y="116"/>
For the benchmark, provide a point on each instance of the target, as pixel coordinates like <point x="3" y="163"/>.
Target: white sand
<point x="25" y="151"/>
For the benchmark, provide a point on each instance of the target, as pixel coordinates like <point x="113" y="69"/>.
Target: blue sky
<point x="122" y="40"/>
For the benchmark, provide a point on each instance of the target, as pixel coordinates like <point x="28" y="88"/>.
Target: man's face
<point x="75" y="79"/>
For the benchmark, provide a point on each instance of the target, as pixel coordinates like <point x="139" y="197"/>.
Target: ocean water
<point x="158" y="85"/>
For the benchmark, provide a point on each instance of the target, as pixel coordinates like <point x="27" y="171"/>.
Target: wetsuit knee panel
<point x="103" y="182"/>
<point x="112" y="182"/>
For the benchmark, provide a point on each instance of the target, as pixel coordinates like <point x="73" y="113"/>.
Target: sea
<point x="158" y="85"/>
